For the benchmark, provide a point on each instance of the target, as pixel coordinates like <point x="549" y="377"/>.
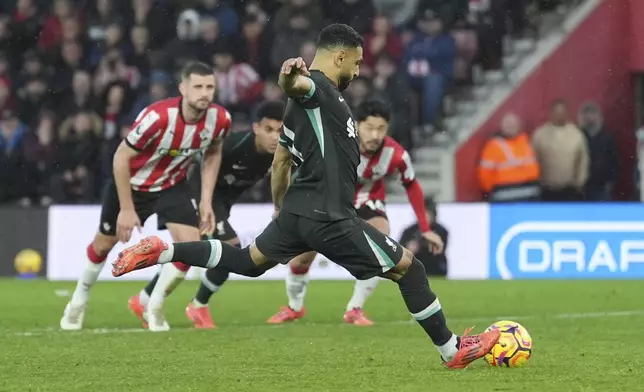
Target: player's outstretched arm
<point x="293" y="78"/>
<point x="281" y="175"/>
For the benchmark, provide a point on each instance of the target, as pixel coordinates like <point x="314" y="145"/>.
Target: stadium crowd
<point x="75" y="73"/>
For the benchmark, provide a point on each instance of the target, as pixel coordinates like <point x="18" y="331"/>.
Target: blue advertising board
<point x="567" y="241"/>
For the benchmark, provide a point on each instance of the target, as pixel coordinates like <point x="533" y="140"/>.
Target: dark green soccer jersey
<point x="320" y="133"/>
<point x="242" y="166"/>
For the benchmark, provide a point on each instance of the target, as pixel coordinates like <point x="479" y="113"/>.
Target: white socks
<point x="86" y="281"/>
<point x="169" y="278"/>
<point x="296" y="289"/>
<point x="166" y="255"/>
<point x="449" y="349"/>
<point x="361" y="291"/>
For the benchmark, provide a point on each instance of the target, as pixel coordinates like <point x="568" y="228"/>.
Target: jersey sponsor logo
<point x="221" y="228"/>
<point x="351" y="128"/>
<point x="391" y="244"/>
<point x="176" y="152"/>
<point x="238" y="167"/>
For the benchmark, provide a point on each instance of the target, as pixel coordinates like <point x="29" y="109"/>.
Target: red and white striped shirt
<point x="167" y="145"/>
<point x="391" y="160"/>
<point x="235" y="85"/>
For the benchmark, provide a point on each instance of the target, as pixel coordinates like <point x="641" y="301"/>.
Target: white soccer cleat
<point x="72" y="318"/>
<point x="156" y="320"/>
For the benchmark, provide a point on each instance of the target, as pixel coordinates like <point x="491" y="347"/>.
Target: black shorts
<point x="372" y="210"/>
<point x="351" y="243"/>
<point x="223" y="230"/>
<point x="174" y="205"/>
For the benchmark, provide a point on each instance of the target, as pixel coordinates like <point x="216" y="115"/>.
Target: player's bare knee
<point x="303" y="261"/>
<point x="103" y="244"/>
<point x="183" y="233"/>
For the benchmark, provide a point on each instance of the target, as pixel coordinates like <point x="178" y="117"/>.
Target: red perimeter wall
<point x="592" y="64"/>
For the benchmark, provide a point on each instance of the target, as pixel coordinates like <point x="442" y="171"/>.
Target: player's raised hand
<point x="125" y="223"/>
<point x="435" y="242"/>
<point x="294" y="66"/>
<point x="207" y="219"/>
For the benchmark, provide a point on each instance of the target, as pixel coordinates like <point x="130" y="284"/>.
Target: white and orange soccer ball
<point x="514" y="347"/>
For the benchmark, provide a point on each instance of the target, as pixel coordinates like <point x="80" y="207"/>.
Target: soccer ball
<point x="513" y="348"/>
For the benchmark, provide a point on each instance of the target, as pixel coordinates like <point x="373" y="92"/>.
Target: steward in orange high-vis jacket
<point x="508" y="169"/>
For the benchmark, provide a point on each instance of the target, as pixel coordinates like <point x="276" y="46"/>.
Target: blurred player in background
<point x="150" y="168"/>
<point x="247" y="158"/>
<point x="380" y="157"/>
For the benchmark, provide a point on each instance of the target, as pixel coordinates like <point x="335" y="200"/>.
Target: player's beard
<point x="199" y="106"/>
<point x="344" y="82"/>
<point x="372" y="147"/>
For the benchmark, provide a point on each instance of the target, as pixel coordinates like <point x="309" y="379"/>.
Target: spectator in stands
<point x="71" y="59"/>
<point x="32" y="98"/>
<point x="429" y="62"/>
<point x="115" y="40"/>
<point x="604" y="158"/>
<point x="210" y="38"/>
<point x="52" y="30"/>
<point x="382" y="39"/>
<point x="80" y="97"/>
<point x="390" y="86"/>
<point x="449" y="10"/>
<point x="310" y="9"/>
<point x="358" y="14"/>
<point x="155" y="15"/>
<point x="186" y="46"/>
<point x="289" y="39"/>
<point x="412" y="239"/>
<point x="140" y="43"/>
<point x="101" y="14"/>
<point x="238" y="85"/>
<point x="508" y="170"/>
<point x="223" y="13"/>
<point x="79" y="146"/>
<point x="26" y="24"/>
<point x="562" y="153"/>
<point x="14" y="172"/>
<point x="254" y="41"/>
<point x="7" y="41"/>
<point x="113" y="69"/>
<point x="41" y="153"/>
<point x="117" y="105"/>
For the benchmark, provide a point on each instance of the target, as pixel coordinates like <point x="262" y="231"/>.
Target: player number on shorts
<point x="376" y="205"/>
<point x="351" y="128"/>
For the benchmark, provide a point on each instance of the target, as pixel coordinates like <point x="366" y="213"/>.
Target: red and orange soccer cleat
<point x="200" y="316"/>
<point x="356" y="316"/>
<point x="142" y="255"/>
<point x="473" y="347"/>
<point x="286" y="314"/>
<point x="135" y="306"/>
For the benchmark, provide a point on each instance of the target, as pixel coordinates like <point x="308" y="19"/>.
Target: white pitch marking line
<point x="102" y="331"/>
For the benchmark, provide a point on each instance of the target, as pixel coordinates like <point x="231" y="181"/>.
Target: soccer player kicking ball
<point x="150" y="168"/>
<point x="380" y="157"/>
<point x="316" y="205"/>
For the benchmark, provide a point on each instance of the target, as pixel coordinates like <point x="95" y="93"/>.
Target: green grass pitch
<point x="588" y="336"/>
